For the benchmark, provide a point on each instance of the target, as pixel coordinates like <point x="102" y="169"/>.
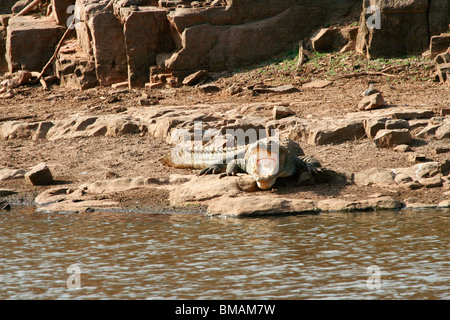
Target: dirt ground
<point x="75" y="161"/>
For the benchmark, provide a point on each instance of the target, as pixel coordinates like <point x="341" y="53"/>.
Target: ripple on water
<point x="182" y="256"/>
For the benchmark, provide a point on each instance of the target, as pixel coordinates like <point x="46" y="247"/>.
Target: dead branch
<point x="365" y="73"/>
<point x="28" y="8"/>
<point x="16" y="118"/>
<point x="301" y="55"/>
<point x="55" y="54"/>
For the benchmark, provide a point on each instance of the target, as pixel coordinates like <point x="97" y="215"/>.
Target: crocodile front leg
<point x="232" y="169"/>
<point x="213" y="169"/>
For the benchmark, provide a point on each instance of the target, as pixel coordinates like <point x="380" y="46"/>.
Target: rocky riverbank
<point x="103" y="146"/>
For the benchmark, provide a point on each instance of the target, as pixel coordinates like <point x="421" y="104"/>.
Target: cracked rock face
<point x="390" y="37"/>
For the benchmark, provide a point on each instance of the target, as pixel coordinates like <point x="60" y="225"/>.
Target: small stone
<point x="414" y="158"/>
<point x="22" y="77"/>
<point x="148" y="102"/>
<point x="370" y="91"/>
<point x="195" y="78"/>
<point x="113" y="99"/>
<point x="433" y="182"/>
<point x="287" y="88"/>
<point x="439" y="150"/>
<point x="120" y="85"/>
<point x="247" y="183"/>
<point x="54" y="96"/>
<point x="443" y="132"/>
<point x="209" y="88"/>
<point x="402" y="148"/>
<point x="397" y="124"/>
<point x="390" y="138"/>
<point x="39" y="175"/>
<point x="280" y="112"/>
<point x="414" y="185"/>
<point x="428" y="131"/>
<point x="156" y="85"/>
<point x="371" y="102"/>
<point x="6" y="95"/>
<point x="317" y="84"/>
<point x="437" y="120"/>
<point x="109" y="175"/>
<point x="234" y="89"/>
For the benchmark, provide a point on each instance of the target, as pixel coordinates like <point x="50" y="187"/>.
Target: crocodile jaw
<point x="265" y="171"/>
<point x="265" y="184"/>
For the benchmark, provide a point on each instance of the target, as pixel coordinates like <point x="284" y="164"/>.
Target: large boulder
<point x="3" y="27"/>
<point x="100" y="34"/>
<point x="61" y="11"/>
<point x="146" y="34"/>
<point x="31" y="42"/>
<point x="404" y="26"/>
<point x="6" y="6"/>
<point x="245" y="32"/>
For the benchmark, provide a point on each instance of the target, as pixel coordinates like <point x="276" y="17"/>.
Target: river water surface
<point x="192" y="256"/>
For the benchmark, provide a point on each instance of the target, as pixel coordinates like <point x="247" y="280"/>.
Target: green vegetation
<point x="334" y="64"/>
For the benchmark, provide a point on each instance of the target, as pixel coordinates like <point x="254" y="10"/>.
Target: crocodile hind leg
<point x="312" y="165"/>
<point x="213" y="169"/>
<point x="308" y="169"/>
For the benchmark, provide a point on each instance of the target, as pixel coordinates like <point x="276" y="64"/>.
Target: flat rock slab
<point x="317" y="84"/>
<point x="287" y="88"/>
<point x="372" y="204"/>
<point x="203" y="188"/>
<point x="79" y="206"/>
<point x="120" y="184"/>
<point x="259" y="205"/>
<point x="247" y="206"/>
<point x="8" y="174"/>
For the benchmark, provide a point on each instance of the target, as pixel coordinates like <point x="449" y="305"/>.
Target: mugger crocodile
<point x="265" y="160"/>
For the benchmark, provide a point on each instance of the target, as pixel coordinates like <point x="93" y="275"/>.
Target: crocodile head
<point x="266" y="162"/>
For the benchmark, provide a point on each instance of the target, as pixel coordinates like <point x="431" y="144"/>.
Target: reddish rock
<point x="39" y="175"/>
<point x="61" y="12"/>
<point x="100" y="35"/>
<point x="371" y="102"/>
<point x="146" y="34"/>
<point x="390" y="138"/>
<point x="439" y="44"/>
<point x="31" y="42"/>
<point x="280" y="112"/>
<point x="195" y="78"/>
<point x="391" y="37"/>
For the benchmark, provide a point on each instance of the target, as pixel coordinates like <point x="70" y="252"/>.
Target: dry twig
<point x="28" y="8"/>
<point x="39" y="77"/>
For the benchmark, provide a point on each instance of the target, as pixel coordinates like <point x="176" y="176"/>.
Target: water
<point x="191" y="256"/>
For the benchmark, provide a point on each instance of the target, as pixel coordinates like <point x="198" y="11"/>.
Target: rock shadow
<point x="325" y="183"/>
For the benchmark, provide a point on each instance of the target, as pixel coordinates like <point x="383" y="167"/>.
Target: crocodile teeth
<point x="266" y="167"/>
